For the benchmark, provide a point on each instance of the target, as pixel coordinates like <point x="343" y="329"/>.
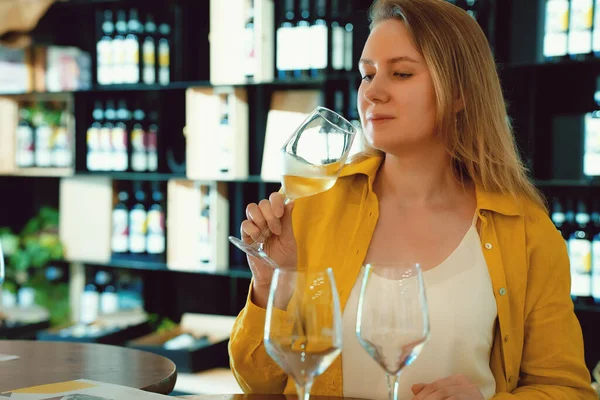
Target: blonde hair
<point x="479" y="137"/>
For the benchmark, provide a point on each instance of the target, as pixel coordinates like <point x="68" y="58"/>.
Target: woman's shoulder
<point x="539" y="228"/>
<point x="540" y="232"/>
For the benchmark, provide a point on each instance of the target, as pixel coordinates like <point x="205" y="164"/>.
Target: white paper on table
<point x="8" y="357"/>
<point x="81" y="389"/>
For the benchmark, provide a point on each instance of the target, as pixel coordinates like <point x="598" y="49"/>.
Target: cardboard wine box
<point x="207" y="349"/>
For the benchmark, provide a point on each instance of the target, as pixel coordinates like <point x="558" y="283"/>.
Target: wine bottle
<point x="106" y="147"/>
<point x="580" y="28"/>
<point x="120" y="156"/>
<point x="90" y="304"/>
<point x="596" y="29"/>
<point x="348" y="38"/>
<point x="93" y="138"/>
<point x="132" y="48"/>
<point x="139" y="156"/>
<point x="156" y="240"/>
<point x="557" y="26"/>
<point x="119" y="49"/>
<point x="338" y="34"/>
<point x="580" y="249"/>
<point x="43" y="136"/>
<point x="137" y="222"/>
<point x="596" y="251"/>
<point x="25" y="156"/>
<point x="120" y="224"/>
<point x="164" y="54"/>
<point x="152" y="142"/>
<point x="149" y="52"/>
<point x="302" y="42"/>
<point x="104" y="51"/>
<point x="558" y="218"/>
<point x="61" y="150"/>
<point x="319" y="44"/>
<point x="285" y="42"/>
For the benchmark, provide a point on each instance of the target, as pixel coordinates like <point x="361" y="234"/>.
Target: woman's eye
<point x="367" y="77"/>
<point x="402" y="75"/>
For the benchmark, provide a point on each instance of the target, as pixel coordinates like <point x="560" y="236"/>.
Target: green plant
<point x="28" y="254"/>
<point x="160" y="324"/>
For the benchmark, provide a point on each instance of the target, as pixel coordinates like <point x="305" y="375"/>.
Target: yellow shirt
<point x="537" y="351"/>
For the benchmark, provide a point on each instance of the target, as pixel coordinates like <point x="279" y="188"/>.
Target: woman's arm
<point x="552" y="366"/>
<point x="254" y="370"/>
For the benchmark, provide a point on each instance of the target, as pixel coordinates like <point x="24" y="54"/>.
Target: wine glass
<point x="312" y="158"/>
<point x="303" y="325"/>
<point x="2" y="274"/>
<point x="392" y="321"/>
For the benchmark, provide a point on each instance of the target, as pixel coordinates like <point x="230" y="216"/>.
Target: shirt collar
<point x="502" y="203"/>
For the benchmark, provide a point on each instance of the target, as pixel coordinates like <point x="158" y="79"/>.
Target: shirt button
<point x="506" y="339"/>
<point x="502" y="291"/>
<point x="488" y="246"/>
<point x="510" y="379"/>
<point x="482" y="213"/>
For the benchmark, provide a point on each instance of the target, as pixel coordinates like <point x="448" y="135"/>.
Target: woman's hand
<point x="455" y="387"/>
<point x="273" y="215"/>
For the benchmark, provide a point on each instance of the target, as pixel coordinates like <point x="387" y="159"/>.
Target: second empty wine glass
<point x="311" y="161"/>
<point x="2" y="275"/>
<point x="392" y="321"/>
<point x="303" y="326"/>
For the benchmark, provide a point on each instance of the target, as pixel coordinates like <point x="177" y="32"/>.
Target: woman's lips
<point x="379" y="118"/>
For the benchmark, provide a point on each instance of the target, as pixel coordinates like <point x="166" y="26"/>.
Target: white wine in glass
<point x="311" y="161"/>
<point x="303" y="326"/>
<point x="302" y="179"/>
<point x="392" y="321"/>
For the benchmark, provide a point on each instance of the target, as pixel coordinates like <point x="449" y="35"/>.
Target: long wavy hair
<point x="479" y="138"/>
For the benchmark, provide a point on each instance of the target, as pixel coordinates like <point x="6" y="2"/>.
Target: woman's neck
<point x="421" y="178"/>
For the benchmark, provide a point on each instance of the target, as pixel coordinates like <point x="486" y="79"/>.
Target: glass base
<point x="253" y="250"/>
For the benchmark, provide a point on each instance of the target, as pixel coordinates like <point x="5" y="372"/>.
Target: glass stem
<point x="393" y="385"/>
<point x="304" y="391"/>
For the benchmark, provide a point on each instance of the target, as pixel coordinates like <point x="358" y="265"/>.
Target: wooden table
<point x="43" y="362"/>
<point x="257" y="397"/>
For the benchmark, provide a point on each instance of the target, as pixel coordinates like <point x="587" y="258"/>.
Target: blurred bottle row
<point x="581" y="230"/>
<point x="179" y="224"/>
<point x="122" y="139"/>
<point x="43" y="138"/>
<point x="108" y="293"/>
<point x="572" y="29"/>
<point x="123" y="40"/>
<point x="138" y="221"/>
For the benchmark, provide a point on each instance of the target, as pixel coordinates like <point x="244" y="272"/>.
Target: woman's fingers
<point x="267" y="213"/>
<point x="250" y="232"/>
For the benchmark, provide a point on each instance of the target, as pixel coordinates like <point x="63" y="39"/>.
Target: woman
<point x="440" y="182"/>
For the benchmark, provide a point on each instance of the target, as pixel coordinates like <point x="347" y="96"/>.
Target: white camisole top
<point x="462" y="314"/>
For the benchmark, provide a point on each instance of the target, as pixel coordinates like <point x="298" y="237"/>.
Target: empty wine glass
<point x="303" y="325"/>
<point x="312" y="158"/>
<point x="392" y="322"/>
<point x="2" y="274"/>
<point x="2" y="268"/>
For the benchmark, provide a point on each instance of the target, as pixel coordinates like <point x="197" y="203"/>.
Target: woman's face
<point x="396" y="98"/>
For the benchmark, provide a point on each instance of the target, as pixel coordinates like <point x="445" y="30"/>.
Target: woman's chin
<point x="394" y="145"/>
